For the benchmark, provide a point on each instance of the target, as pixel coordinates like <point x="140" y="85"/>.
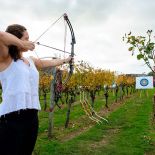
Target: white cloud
<point x="98" y="25"/>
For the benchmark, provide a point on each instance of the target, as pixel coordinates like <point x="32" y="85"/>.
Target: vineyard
<point x="129" y="131"/>
<point x="67" y="65"/>
<point x="96" y="112"/>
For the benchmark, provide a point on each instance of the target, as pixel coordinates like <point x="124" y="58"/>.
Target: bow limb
<point x="71" y="65"/>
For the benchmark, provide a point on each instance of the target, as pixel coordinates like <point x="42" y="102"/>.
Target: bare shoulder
<point x="3" y="47"/>
<point x="5" y="62"/>
<point x="1" y="36"/>
<point x="36" y="61"/>
<point x="3" y="51"/>
<point x="33" y="58"/>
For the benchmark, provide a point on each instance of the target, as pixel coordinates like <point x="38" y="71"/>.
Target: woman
<point x="20" y="102"/>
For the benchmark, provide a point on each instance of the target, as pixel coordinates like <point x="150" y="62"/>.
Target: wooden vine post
<point x="52" y="104"/>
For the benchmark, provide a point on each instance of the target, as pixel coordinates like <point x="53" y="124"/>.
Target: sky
<point x="99" y="26"/>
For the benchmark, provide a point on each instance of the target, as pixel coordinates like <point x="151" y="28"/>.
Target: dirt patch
<point x="74" y="134"/>
<point x="82" y="125"/>
<point x="105" y="140"/>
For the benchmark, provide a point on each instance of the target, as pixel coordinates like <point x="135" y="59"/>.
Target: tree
<point x="144" y="47"/>
<point x="146" y="51"/>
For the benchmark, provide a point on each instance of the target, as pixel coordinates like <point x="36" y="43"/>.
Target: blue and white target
<point x="144" y="82"/>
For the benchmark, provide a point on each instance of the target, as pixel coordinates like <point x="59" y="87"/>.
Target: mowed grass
<point x="130" y="130"/>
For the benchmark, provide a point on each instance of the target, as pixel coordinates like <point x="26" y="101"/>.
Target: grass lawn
<point x="129" y="132"/>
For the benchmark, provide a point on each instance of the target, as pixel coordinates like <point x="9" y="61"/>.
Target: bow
<point x="71" y="65"/>
<point x="72" y="48"/>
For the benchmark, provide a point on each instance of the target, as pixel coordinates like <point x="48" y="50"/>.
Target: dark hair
<point x="16" y="30"/>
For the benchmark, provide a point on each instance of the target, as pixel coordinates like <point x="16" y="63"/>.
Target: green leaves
<point x="131" y="48"/>
<point x="140" y="56"/>
<point x="142" y="46"/>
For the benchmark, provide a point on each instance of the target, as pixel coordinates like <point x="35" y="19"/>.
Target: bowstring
<point x="51" y="25"/>
<point x="65" y="36"/>
<point x="65" y="40"/>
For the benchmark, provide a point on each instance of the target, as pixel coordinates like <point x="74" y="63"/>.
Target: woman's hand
<point x="69" y="59"/>
<point x="27" y="45"/>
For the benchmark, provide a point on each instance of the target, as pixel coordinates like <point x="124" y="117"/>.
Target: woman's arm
<point x="50" y="63"/>
<point x="7" y="39"/>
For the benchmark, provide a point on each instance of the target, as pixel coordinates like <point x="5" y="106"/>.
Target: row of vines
<point x="83" y="86"/>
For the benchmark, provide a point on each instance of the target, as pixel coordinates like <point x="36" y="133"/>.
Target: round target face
<point x="144" y="82"/>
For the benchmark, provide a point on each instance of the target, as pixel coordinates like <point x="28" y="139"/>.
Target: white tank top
<point x="19" y="87"/>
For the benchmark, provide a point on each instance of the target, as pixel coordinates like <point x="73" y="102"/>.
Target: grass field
<point x="130" y="130"/>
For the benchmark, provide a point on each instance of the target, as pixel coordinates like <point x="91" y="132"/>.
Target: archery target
<point x="144" y="82"/>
